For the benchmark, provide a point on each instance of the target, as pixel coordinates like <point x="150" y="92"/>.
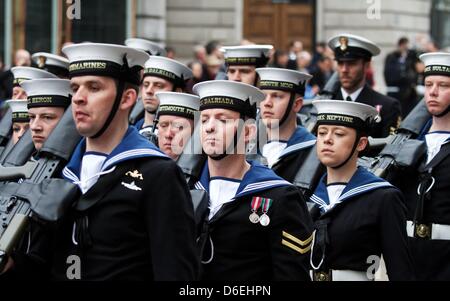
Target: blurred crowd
<point x="403" y="71"/>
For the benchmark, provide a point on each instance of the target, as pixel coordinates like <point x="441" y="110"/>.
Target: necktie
<point x="348" y="98"/>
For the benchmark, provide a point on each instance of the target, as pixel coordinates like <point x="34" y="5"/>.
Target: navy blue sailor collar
<point x="138" y="125"/>
<point x="299" y="140"/>
<point x="426" y="130"/>
<point x="132" y="146"/>
<point x="361" y="182"/>
<point x="258" y="178"/>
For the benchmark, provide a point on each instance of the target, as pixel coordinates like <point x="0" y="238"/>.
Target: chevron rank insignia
<point x="296" y="244"/>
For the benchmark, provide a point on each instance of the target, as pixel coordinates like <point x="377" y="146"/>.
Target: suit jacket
<point x="389" y="107"/>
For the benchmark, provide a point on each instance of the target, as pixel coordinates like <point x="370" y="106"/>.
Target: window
<point x="38" y="26"/>
<point x="440" y="22"/>
<point x="102" y="21"/>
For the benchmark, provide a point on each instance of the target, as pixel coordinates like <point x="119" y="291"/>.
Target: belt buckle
<point x="322" y="276"/>
<point x="423" y="231"/>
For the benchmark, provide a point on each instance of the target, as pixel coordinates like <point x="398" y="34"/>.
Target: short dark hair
<point x="402" y="41"/>
<point x="211" y="46"/>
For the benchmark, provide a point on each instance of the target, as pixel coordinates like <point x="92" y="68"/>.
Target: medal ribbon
<point x="266" y="203"/>
<point x="256" y="203"/>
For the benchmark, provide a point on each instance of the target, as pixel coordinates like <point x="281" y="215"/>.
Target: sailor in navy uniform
<point x="288" y="143"/>
<point x="48" y="99"/>
<point x="150" y="47"/>
<point x="55" y="64"/>
<point x="134" y="217"/>
<point x="358" y="216"/>
<point x="20" y="118"/>
<point x="22" y="74"/>
<point x="256" y="225"/>
<point x="176" y="115"/>
<point x="160" y="74"/>
<point x="427" y="186"/>
<point x="241" y="62"/>
<point x="353" y="55"/>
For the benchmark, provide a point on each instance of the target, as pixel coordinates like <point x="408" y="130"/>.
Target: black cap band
<point x="49" y="101"/>
<point x="57" y="70"/>
<point x="437" y="70"/>
<point x="167" y="75"/>
<point x="230" y="103"/>
<point x="283" y="86"/>
<point x="242" y="61"/>
<point x="351" y="53"/>
<point x="106" y="68"/>
<point x="343" y="120"/>
<point x="20" y="117"/>
<point x="18" y="81"/>
<point x="174" y="110"/>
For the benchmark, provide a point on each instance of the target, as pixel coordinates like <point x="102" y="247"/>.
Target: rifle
<point x="192" y="159"/>
<point x="402" y="149"/>
<point x="19" y="154"/>
<point x="308" y="113"/>
<point x="40" y="194"/>
<point x="137" y="113"/>
<point x="151" y="136"/>
<point x="309" y="173"/>
<point x="5" y="131"/>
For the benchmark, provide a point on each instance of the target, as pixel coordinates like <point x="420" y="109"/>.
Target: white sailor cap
<point x="48" y="93"/>
<point x="150" y="47"/>
<point x="257" y="55"/>
<point x="283" y="79"/>
<point x="19" y="110"/>
<point x="168" y="69"/>
<point x="230" y="95"/>
<point x="350" y="47"/>
<point x="178" y="104"/>
<point x="346" y="113"/>
<point x="22" y="74"/>
<point x="53" y="63"/>
<point x="436" y="63"/>
<point x="117" y="61"/>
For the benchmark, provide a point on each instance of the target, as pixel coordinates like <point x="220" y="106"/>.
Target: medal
<point x="256" y="203"/>
<point x="254" y="218"/>
<point x="264" y="220"/>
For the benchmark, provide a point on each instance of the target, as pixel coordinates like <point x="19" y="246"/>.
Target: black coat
<point x="431" y="257"/>
<point x="366" y="222"/>
<point x="135" y="223"/>
<point x="390" y="110"/>
<point x="246" y="251"/>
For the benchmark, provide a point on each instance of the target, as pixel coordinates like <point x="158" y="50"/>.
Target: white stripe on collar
<point x="318" y="200"/>
<point x="70" y="175"/>
<point x="265" y="184"/>
<point x="199" y="185"/>
<point x="253" y="186"/>
<point x="363" y="188"/>
<point x="350" y="193"/>
<point x="131" y="153"/>
<point x="297" y="147"/>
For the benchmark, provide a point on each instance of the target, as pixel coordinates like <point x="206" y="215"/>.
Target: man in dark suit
<point x="353" y="54"/>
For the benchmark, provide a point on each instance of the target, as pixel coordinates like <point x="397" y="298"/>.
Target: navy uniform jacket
<point x="431" y="257"/>
<point x="369" y="219"/>
<point x="390" y="111"/>
<point x="135" y="223"/>
<point x="293" y="156"/>
<point x="236" y="249"/>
